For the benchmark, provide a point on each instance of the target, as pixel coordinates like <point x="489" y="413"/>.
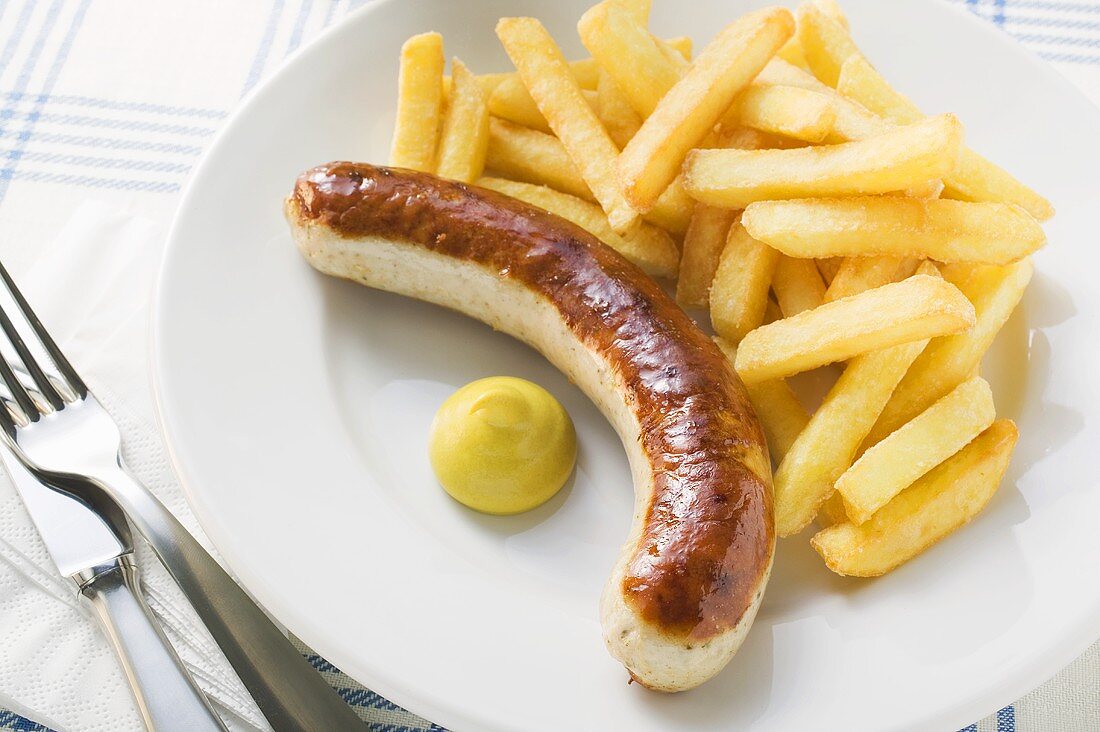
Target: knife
<point x="93" y="546"/>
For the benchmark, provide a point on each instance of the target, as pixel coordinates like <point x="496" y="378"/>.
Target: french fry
<point x="898" y="159"/>
<point x="789" y="111"/>
<point x="701" y="250"/>
<point x="781" y="414"/>
<point x="739" y="293"/>
<point x="419" y="103"/>
<point x="857" y="274"/>
<point x="682" y="45"/>
<point x="975" y="179"/>
<point x="464" y="142"/>
<point x="947" y="231"/>
<point x="914" y="309"/>
<point x="691" y="108"/>
<point x="832" y="512"/>
<point x="554" y="89"/>
<point x="825" y="43"/>
<point x="931" y="437"/>
<point x="945" y="499"/>
<point x="630" y="55"/>
<point x="832" y="9"/>
<point x="614" y="110"/>
<point x="829" y="267"/>
<point x="746" y="138"/>
<point x="948" y="361"/>
<point x="828" y="445"/>
<point x="673" y="209"/>
<point x="530" y="156"/>
<point x="646" y="246"/>
<point x="797" y="285"/>
<point x="510" y="100"/>
<point x="638" y="9"/>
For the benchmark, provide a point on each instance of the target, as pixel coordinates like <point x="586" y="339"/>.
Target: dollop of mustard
<point x="502" y="445"/>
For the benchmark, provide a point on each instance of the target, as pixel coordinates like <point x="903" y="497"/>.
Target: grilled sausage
<point x="691" y="575"/>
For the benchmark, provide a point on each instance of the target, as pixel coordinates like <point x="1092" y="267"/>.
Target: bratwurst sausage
<point x="691" y="575"/>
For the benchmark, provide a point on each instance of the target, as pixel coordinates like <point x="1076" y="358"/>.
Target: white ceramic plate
<point x="297" y="408"/>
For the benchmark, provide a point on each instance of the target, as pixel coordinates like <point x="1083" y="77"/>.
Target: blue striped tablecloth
<point x="83" y="112"/>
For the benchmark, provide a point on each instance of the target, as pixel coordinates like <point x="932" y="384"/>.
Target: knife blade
<point x="93" y="546"/>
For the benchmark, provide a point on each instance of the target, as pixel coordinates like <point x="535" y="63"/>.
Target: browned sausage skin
<point x="701" y="552"/>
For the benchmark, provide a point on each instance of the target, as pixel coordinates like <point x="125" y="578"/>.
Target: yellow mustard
<point x="502" y="445"/>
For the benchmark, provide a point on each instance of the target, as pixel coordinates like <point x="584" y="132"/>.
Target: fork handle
<point x="166" y="695"/>
<point x="288" y="691"/>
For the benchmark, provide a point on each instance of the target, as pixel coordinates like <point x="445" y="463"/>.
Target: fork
<point x="60" y="431"/>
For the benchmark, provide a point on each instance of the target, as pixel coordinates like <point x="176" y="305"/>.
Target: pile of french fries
<point x="822" y="219"/>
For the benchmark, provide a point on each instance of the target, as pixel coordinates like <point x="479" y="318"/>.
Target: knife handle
<point x="290" y="693"/>
<point x="166" y="695"/>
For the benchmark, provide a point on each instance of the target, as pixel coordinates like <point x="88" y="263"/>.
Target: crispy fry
<point x="464" y="142"/>
<point x="857" y="274"/>
<point x="673" y="209"/>
<point x="911" y="310"/>
<point x="832" y="512"/>
<point x="419" y="103"/>
<point x="948" y="361"/>
<point x="943" y="500"/>
<point x="828" y="267"/>
<point x="647" y="246"/>
<point x="947" y="231"/>
<point x="510" y="100"/>
<point x="745" y="138"/>
<point x="739" y="293"/>
<point x="832" y="9"/>
<point x="554" y="89"/>
<point x="789" y="111"/>
<point x="975" y="179"/>
<point x="614" y="110"/>
<point x="898" y="159"/>
<point x="931" y="437"/>
<point x="690" y="110"/>
<point x="828" y="445"/>
<point x="527" y="155"/>
<point x="702" y="248"/>
<point x="797" y="285"/>
<point x="825" y="43"/>
<point x="781" y="414"/>
<point x="630" y="55"/>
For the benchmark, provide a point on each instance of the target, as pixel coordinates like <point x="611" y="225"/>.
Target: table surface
<point x="78" y="89"/>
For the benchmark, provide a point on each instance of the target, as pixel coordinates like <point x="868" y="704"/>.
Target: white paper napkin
<point x="55" y="665"/>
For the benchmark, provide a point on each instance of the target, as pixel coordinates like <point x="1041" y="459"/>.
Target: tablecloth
<point x="115" y="100"/>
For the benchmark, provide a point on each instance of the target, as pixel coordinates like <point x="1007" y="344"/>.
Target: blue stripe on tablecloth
<point x="16" y="34"/>
<point x="77" y="120"/>
<point x="113" y="104"/>
<point x="1006" y="720"/>
<point x="299" y="26"/>
<point x="260" y="59"/>
<point x="109" y="143"/>
<point x="8" y="172"/>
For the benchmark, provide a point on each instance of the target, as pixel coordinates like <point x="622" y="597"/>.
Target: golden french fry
<point x="789" y="111"/>
<point x="638" y="9"/>
<point x="797" y="285"/>
<point x="630" y="55"/>
<point x="510" y="100"/>
<point x="948" y="361"/>
<point x="911" y="310"/>
<point x="745" y="138"/>
<point x="464" y="142"/>
<point x="554" y="89"/>
<point x="530" y="156"/>
<point x="419" y="103"/>
<point x="975" y="178"/>
<point x="945" y="499"/>
<point x="739" y="293"/>
<point x="857" y="274"/>
<point x="691" y="108"/>
<point x="898" y="159"/>
<point x="701" y="250"/>
<point x="825" y="43"/>
<point x="832" y="512"/>
<point x="781" y="414"/>
<point x="646" y="246"/>
<point x="947" y="231"/>
<point x="614" y="110"/>
<point x="931" y="437"/>
<point x="829" y="267"/>
<point x="828" y="445"/>
<point x="832" y="9"/>
<point x="527" y="155"/>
